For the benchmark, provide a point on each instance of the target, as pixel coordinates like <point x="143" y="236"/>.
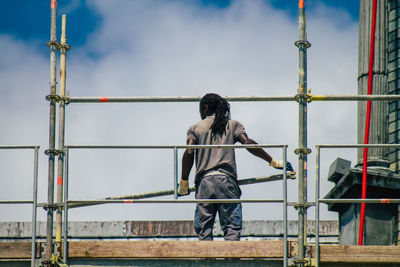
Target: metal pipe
<point x="66" y="175"/>
<point x="150" y="201"/>
<point x="61" y="125"/>
<point x="285" y="219"/>
<point x="52" y="130"/>
<point x="246" y="181"/>
<point x="175" y="173"/>
<point x="173" y="99"/>
<point x="162" y="99"/>
<point x="354" y="97"/>
<point x="169" y="146"/>
<point x="302" y="44"/>
<point x="16" y="201"/>
<point x="19" y="147"/>
<point x="34" y="206"/>
<point x="357" y="145"/>
<point x="357" y="200"/>
<point x="317" y="195"/>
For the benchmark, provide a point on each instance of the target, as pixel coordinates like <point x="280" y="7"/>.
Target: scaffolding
<point x="63" y="203"/>
<point x="33" y="202"/>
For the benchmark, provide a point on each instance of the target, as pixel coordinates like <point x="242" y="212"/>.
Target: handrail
<point x="174" y="99"/>
<point x="34" y="197"/>
<point x="67" y="202"/>
<point x="348" y="200"/>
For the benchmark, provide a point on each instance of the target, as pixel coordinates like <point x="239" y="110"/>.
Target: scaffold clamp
<point x="302" y="205"/>
<point x="299" y="43"/>
<point x="305" y="151"/>
<point x="303" y="262"/>
<point x="59" y="99"/>
<point x="53" y="43"/>
<point x="50" y="207"/>
<point x="53" y="97"/>
<point x="64" y="47"/>
<point x="306" y="97"/>
<point x="54" y="152"/>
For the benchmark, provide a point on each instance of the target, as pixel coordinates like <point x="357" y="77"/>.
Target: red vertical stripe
<point x="367" y="125"/>
<point x="60" y="180"/>
<point x="103" y="99"/>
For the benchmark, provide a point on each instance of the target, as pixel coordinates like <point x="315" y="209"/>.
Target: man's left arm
<point x="261" y="153"/>
<point x="187" y="164"/>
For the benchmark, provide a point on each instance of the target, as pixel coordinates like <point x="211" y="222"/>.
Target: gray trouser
<point x="230" y="214"/>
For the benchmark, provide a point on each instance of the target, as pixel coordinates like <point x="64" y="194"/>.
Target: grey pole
<point x="185" y="99"/>
<point x="61" y="133"/>
<point x="175" y="172"/>
<point x="66" y="175"/>
<point x="285" y="206"/>
<point x="302" y="150"/>
<point x="52" y="130"/>
<point x="317" y="193"/>
<point x="34" y="208"/>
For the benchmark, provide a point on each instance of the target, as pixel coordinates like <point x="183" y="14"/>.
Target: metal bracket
<point x="306" y="97"/>
<point x="53" y="43"/>
<point x="64" y="47"/>
<point x="58" y="45"/>
<point x="304" y="205"/>
<point x="59" y="99"/>
<point x="297" y="262"/>
<point x="42" y="253"/>
<point x="50" y="207"/>
<point x="52" y="97"/>
<point x="54" y="152"/>
<point x="57" y="249"/>
<point x="305" y="151"/>
<point x="305" y="43"/>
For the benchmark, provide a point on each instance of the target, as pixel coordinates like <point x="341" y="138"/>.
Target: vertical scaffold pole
<point x="61" y="134"/>
<point x="302" y="150"/>
<point x="34" y="208"/>
<point x="53" y="44"/>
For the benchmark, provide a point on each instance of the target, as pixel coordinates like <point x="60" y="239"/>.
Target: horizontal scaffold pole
<point x="146" y="99"/>
<point x="357" y="200"/>
<point x="166" y="99"/>
<point x="246" y="181"/>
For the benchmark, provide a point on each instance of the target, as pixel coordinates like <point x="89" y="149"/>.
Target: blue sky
<point x="31" y="20"/>
<point x="170" y="48"/>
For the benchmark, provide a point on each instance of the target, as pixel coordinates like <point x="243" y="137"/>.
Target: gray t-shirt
<point x="220" y="160"/>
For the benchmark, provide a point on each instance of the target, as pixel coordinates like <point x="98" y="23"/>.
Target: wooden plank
<point x="358" y="254"/>
<point x="15" y="250"/>
<point x="175" y="249"/>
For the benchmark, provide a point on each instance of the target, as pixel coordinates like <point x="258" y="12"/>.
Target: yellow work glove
<point x="277" y="164"/>
<point x="183" y="188"/>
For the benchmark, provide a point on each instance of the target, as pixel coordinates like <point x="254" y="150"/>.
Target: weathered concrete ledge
<point x="160" y="229"/>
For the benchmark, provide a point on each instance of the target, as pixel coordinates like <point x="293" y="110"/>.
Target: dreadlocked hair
<point x="218" y="105"/>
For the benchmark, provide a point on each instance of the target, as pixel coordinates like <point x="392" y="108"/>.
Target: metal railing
<point x="66" y="203"/>
<point x="318" y="200"/>
<point x="34" y="197"/>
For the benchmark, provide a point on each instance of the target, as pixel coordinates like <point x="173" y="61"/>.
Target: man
<point x="216" y="176"/>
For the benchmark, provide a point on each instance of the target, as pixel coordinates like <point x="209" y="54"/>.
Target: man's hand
<point x="183" y="188"/>
<point x="278" y="164"/>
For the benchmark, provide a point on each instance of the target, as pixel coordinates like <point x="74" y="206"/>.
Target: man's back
<point x="216" y="159"/>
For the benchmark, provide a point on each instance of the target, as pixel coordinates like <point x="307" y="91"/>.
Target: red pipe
<point x="367" y="125"/>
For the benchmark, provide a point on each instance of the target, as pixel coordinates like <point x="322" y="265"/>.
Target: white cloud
<point x="173" y="48"/>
